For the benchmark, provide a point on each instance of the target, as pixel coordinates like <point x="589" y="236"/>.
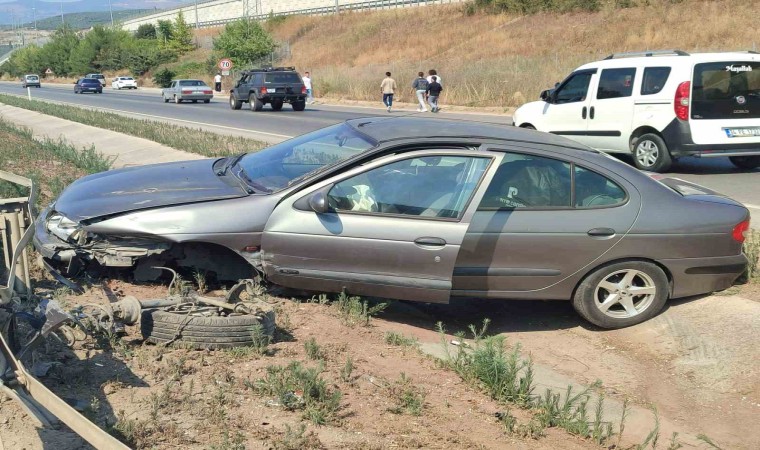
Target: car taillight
<point x="303" y="90"/>
<point x="681" y="103"/>
<point x="207" y="92"/>
<point x="263" y="90"/>
<point x="741" y="231"/>
<point x="187" y="92"/>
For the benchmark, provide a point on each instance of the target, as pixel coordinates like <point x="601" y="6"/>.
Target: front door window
<point x="574" y="89"/>
<point x="427" y="186"/>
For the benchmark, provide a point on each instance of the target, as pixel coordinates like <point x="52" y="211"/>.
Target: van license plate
<point x="742" y="132"/>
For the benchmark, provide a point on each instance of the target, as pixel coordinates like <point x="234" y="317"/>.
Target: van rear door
<point x="725" y="102"/>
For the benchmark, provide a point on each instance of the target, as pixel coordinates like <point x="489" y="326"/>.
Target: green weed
<point x="398" y="339"/>
<point x="357" y="311"/>
<point x="313" y="350"/>
<point x="347" y="370"/>
<point x="409" y="398"/>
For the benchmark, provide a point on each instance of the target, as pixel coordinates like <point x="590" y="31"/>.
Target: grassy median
<point x="52" y="164"/>
<point x="191" y="140"/>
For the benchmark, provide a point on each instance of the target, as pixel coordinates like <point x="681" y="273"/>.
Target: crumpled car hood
<point x="144" y="187"/>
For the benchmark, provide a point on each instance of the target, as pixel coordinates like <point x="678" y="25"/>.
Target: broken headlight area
<point x="65" y="229"/>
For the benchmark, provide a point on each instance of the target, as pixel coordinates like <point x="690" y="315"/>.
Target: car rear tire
<point x="177" y="100"/>
<point x="166" y="100"/>
<point x="159" y="327"/>
<point x="207" y="101"/>
<point x="277" y="105"/>
<point x="298" y="105"/>
<point x="650" y="153"/>
<point x="622" y="294"/>
<point x="745" y="162"/>
<point x="256" y="104"/>
<point x="235" y="103"/>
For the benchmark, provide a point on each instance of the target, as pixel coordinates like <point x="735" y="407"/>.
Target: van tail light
<point x="741" y="231"/>
<point x="303" y="90"/>
<point x="681" y="103"/>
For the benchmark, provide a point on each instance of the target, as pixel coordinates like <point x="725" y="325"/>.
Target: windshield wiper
<point x="230" y="162"/>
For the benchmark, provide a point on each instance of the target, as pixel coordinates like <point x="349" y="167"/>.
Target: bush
<point x="163" y="78"/>
<point x="244" y="41"/>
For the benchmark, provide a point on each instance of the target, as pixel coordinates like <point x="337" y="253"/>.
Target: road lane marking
<point x="192" y="122"/>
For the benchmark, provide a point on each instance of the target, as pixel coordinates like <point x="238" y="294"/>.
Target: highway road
<point x="717" y="174"/>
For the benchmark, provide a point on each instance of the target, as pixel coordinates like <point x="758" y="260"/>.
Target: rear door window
<point x="654" y="80"/>
<point x="726" y="90"/>
<point x="616" y="83"/>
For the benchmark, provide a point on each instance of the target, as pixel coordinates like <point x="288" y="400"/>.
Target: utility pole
<point x="337" y="7"/>
<point x="196" y="14"/>
<point x="62" y="21"/>
<point x="110" y="8"/>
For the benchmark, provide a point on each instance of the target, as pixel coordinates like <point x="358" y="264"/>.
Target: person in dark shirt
<point x="434" y="91"/>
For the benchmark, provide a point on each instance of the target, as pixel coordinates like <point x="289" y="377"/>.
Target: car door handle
<point x="583" y="112"/>
<point x="591" y="112"/>
<point x="430" y="242"/>
<point x="601" y="232"/>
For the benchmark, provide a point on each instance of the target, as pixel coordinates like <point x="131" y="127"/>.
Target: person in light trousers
<point x="433" y="92"/>
<point x="420" y="86"/>
<point x="307" y="85"/>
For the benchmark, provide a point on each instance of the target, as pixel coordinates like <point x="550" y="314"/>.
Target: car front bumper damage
<point x="111" y="251"/>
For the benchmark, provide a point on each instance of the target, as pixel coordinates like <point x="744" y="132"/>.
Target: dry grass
<point x="498" y="60"/>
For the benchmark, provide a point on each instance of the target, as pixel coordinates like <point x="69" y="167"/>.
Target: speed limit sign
<point x="225" y="64"/>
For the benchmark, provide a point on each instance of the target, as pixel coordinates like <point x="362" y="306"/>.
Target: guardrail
<point x="319" y="11"/>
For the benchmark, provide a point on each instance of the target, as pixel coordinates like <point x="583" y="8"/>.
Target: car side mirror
<point x="545" y="95"/>
<point x="318" y="203"/>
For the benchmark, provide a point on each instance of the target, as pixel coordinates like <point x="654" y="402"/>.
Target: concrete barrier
<point x="218" y="12"/>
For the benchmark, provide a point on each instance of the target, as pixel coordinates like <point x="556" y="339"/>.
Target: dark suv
<point x="274" y="85"/>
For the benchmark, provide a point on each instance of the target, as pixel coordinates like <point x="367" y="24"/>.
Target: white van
<point x="658" y="106"/>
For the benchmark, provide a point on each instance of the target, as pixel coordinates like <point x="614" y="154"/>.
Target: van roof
<point x="670" y="58"/>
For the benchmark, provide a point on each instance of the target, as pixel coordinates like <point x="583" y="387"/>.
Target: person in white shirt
<point x="432" y="73"/>
<point x="307" y="84"/>
<point x="218" y="82"/>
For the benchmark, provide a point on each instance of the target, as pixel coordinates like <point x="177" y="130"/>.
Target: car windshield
<point x="192" y="83"/>
<point x="282" y="165"/>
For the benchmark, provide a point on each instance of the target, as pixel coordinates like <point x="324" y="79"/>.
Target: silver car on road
<point x="413" y="209"/>
<point x="187" y="90"/>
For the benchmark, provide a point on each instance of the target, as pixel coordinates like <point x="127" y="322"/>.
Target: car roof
<point x="188" y="79"/>
<point x="383" y="129"/>
<point x="671" y="59"/>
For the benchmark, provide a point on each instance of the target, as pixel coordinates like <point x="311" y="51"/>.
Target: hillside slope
<point x="498" y="60"/>
<point x="84" y="20"/>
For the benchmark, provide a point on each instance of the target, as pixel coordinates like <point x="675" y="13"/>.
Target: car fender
<point x="530" y="113"/>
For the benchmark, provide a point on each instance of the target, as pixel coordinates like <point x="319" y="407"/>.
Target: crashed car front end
<point x="70" y="246"/>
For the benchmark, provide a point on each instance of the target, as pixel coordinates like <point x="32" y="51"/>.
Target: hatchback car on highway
<point x="187" y="90"/>
<point x="88" y="85"/>
<point x="123" y="83"/>
<point x="30" y="81"/>
<point x="385" y="208"/>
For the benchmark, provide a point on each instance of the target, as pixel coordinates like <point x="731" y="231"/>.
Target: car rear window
<point x="282" y="77"/>
<point x="90" y="81"/>
<point x="682" y="187"/>
<point x="192" y="83"/>
<point x="726" y="90"/>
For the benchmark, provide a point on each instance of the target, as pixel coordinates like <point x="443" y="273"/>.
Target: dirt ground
<point x="697" y="363"/>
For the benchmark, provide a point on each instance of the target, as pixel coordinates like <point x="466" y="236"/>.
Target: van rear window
<point x="726" y="90"/>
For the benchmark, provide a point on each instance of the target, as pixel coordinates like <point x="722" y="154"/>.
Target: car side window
<point x="594" y="190"/>
<point x="427" y="186"/>
<point x="528" y="181"/>
<point x="575" y="89"/>
<point x="654" y="80"/>
<point x="616" y="83"/>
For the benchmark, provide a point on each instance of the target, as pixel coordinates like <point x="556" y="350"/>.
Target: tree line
<point x="72" y="53"/>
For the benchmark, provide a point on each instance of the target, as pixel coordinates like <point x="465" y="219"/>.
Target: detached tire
<point x="650" y="153"/>
<point x="745" y="162"/>
<point x="622" y="294"/>
<point x="159" y="327"/>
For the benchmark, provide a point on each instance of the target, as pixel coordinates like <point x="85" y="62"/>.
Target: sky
<point x="10" y="9"/>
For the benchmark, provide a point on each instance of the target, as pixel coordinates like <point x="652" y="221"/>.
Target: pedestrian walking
<point x="388" y="87"/>
<point x="307" y="84"/>
<point x="433" y="73"/>
<point x="218" y="82"/>
<point x="434" y="91"/>
<point x="420" y="86"/>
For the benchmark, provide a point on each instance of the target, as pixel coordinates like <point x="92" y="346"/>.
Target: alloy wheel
<point x="625" y="293"/>
<point x="647" y="153"/>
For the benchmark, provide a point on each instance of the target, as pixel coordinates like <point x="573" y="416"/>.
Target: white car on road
<point x="123" y="83"/>
<point x="658" y="107"/>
